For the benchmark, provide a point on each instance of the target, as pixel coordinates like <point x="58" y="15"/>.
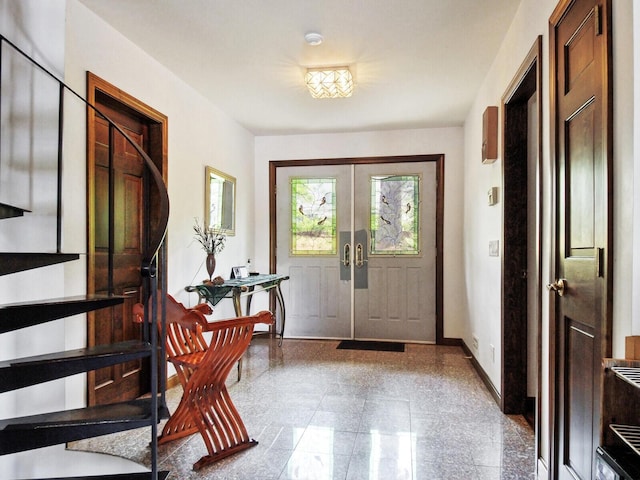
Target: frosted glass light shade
<point x="334" y="82"/>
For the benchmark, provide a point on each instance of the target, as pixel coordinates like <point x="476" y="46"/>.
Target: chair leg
<point x="220" y="425"/>
<point x="180" y="424"/>
<point x="209" y="402"/>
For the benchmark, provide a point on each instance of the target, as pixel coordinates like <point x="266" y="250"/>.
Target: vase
<point x="211" y="264"/>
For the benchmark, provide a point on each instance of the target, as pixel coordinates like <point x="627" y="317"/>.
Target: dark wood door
<point x="580" y="69"/>
<point x="124" y="193"/>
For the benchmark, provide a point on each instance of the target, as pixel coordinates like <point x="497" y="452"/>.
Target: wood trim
<point x="553" y="235"/>
<point x="607" y="82"/>
<point x="438" y="158"/>
<point x="440" y="339"/>
<point x="482" y="374"/>
<point x="541" y="288"/>
<point x="450" y="342"/>
<point x="173" y="381"/>
<point x="527" y="81"/>
<point x="158" y="140"/>
<point x="158" y="144"/>
<point x="561" y="9"/>
<point x="272" y="216"/>
<point x="121" y="96"/>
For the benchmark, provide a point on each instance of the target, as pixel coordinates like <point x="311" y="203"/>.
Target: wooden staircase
<point x="54" y="428"/>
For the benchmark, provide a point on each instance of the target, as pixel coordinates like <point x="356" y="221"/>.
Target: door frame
<point x="438" y="158"/>
<point x="514" y="310"/>
<point x="158" y="152"/>
<point x="514" y="324"/>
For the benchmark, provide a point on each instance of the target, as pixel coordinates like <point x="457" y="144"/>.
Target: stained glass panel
<point x="313" y="216"/>
<point x="394" y="221"/>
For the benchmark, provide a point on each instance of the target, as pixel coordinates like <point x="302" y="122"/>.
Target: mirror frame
<point x="213" y="175"/>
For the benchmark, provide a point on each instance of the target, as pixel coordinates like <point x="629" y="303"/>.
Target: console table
<point x="236" y="288"/>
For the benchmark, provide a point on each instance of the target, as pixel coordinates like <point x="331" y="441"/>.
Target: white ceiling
<point x="417" y="63"/>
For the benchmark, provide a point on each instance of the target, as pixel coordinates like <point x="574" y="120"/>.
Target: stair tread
<point x="26" y="371"/>
<point x="89" y="297"/>
<point x="15" y="316"/>
<point x="36" y="431"/>
<point x="13" y="262"/>
<point x="11" y="211"/>
<point x="115" y="412"/>
<point x="119" y="476"/>
<point x="97" y="351"/>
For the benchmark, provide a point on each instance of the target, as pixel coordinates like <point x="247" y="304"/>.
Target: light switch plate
<point x="494" y="248"/>
<point x="492" y="196"/>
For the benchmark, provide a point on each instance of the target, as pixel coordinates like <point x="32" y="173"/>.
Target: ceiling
<point x="416" y="63"/>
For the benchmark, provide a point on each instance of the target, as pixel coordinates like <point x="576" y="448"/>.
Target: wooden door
<point x="580" y="46"/>
<point x="128" y="380"/>
<point x="117" y="215"/>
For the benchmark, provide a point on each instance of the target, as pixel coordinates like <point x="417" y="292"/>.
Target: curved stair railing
<point x="26" y="433"/>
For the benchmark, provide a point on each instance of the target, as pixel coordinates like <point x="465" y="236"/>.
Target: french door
<point x="358" y="242"/>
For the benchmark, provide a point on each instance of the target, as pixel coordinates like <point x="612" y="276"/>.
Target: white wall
<point x="199" y="134"/>
<point x="623" y="174"/>
<point x="636" y="173"/>
<point x="38" y="28"/>
<point x="346" y="145"/>
<point x="482" y="224"/>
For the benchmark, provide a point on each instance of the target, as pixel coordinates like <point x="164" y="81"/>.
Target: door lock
<point x="346" y="259"/>
<point x="558" y="286"/>
<point x="360" y="255"/>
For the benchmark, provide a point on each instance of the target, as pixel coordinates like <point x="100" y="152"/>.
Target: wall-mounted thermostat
<point x="492" y="196"/>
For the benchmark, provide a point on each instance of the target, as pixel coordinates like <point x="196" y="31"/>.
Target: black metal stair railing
<point x="156" y="237"/>
<point x="59" y="427"/>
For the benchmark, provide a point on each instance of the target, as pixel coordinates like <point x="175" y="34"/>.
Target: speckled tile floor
<point x="320" y="413"/>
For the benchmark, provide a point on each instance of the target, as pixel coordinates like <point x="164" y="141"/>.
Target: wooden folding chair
<point x="202" y="368"/>
<point x="185" y="348"/>
<point x="208" y="399"/>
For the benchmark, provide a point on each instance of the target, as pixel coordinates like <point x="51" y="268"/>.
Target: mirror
<point x="220" y="201"/>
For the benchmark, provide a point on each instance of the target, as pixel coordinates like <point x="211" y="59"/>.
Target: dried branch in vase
<point x="211" y="239"/>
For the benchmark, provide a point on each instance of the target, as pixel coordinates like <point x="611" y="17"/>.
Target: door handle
<point x="346" y="257"/>
<point x="558" y="286"/>
<point x="359" y="255"/>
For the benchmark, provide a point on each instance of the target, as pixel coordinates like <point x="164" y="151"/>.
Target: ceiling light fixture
<point x="329" y="82"/>
<point x="313" y="38"/>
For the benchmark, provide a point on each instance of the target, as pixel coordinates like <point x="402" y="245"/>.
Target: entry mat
<point x="371" y="345"/>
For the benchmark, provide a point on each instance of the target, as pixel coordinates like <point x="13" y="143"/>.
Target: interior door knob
<point x="558" y="286"/>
